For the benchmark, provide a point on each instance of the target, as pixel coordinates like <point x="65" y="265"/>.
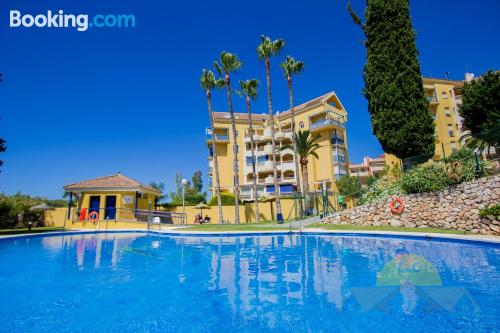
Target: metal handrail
<point x="126" y="215"/>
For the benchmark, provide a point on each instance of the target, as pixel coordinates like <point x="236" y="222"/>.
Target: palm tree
<point x="307" y="145"/>
<point x="265" y="51"/>
<point x="208" y="83"/>
<point x="229" y="62"/>
<point x="290" y="67"/>
<point x="249" y="89"/>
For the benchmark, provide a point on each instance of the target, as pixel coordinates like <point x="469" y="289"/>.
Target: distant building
<point x="444" y="98"/>
<point x="369" y="167"/>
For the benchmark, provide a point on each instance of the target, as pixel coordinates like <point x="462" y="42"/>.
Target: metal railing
<point x="126" y="215"/>
<point x="326" y="122"/>
<point x="219" y="137"/>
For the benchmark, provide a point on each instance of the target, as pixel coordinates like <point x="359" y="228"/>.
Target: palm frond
<point x="291" y="66"/>
<point x="268" y="47"/>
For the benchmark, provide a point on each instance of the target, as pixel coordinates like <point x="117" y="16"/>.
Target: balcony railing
<point x="339" y="158"/>
<point x="432" y="99"/>
<point x="326" y="122"/>
<point x="219" y="137"/>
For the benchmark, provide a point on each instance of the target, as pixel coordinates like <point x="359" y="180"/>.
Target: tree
<point x="249" y="90"/>
<point x="197" y="181"/>
<point x="229" y="63"/>
<point x="307" y="145"/>
<point x="208" y="83"/>
<point x="350" y="186"/>
<point x="265" y="51"/>
<point x="3" y="148"/>
<point x="481" y="109"/>
<point x="160" y="187"/>
<point x="397" y="104"/>
<point x="291" y="67"/>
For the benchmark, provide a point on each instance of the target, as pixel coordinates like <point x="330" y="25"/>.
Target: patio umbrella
<point x="201" y="206"/>
<point x="43" y="206"/>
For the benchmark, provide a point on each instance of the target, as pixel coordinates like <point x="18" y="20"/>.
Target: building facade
<point x="370" y="167"/>
<point x="324" y="116"/>
<point x="444" y="98"/>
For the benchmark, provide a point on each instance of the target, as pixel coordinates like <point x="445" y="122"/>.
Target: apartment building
<point x="370" y="167"/>
<point x="444" y="98"/>
<point x="324" y="115"/>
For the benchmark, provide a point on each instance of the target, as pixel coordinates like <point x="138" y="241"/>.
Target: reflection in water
<point x="315" y="283"/>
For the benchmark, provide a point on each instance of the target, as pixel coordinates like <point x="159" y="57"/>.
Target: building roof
<point x="262" y="116"/>
<point x="116" y="182"/>
<point x="455" y="83"/>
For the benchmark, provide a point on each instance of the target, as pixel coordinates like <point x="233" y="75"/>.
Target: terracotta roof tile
<point x="114" y="181"/>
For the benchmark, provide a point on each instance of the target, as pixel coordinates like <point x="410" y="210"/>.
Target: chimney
<point x="469" y="77"/>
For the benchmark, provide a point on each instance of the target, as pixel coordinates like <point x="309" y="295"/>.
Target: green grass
<point x="325" y="226"/>
<point x="4" y="232"/>
<point x="234" y="227"/>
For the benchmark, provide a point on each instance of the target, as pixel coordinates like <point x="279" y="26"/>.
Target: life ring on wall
<point x="93" y="216"/>
<point x="397" y="206"/>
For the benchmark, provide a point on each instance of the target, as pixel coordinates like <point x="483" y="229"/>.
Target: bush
<point x="227" y="199"/>
<point x="425" y="178"/>
<point x="350" y="186"/>
<point x="380" y="188"/>
<point x="490" y="211"/>
<point x="16" y="208"/>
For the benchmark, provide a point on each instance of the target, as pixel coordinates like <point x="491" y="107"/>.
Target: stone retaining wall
<point x="455" y="208"/>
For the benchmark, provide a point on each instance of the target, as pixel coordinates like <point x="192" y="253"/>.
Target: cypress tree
<point x="398" y="108"/>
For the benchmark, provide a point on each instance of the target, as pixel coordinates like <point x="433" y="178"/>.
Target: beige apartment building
<point x="324" y="115"/>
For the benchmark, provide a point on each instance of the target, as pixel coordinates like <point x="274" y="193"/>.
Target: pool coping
<point x="307" y="231"/>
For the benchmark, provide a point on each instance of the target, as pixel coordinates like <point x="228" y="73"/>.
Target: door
<point x="95" y="204"/>
<point x="110" y="211"/>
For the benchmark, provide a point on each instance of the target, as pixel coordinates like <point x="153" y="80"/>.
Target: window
<point x="453" y="146"/>
<point x="444" y="95"/>
<point x="450" y="131"/>
<point x="249" y="161"/>
<point x="447" y="111"/>
<point x="301" y="124"/>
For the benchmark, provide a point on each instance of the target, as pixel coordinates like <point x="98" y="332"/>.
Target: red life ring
<point x="93" y="216"/>
<point x="400" y="206"/>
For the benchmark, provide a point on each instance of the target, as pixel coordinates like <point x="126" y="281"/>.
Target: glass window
<point x="444" y="95"/>
<point x="301" y="124"/>
<point x="447" y="111"/>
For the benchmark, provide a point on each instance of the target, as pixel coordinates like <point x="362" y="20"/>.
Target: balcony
<point x="432" y="99"/>
<point x="247" y="139"/>
<point x="221" y="135"/>
<point x="326" y="124"/>
<point x="339" y="159"/>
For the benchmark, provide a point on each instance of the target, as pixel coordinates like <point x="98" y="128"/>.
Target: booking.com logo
<point x="80" y="22"/>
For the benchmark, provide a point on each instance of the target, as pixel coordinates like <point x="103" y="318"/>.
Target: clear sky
<point x="77" y="105"/>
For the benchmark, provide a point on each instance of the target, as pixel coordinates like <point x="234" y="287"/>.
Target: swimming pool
<point x="116" y="282"/>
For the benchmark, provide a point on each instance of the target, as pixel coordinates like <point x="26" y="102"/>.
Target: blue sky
<point x="77" y="105"/>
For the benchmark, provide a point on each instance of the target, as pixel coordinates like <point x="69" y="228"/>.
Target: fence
<point x="126" y="215"/>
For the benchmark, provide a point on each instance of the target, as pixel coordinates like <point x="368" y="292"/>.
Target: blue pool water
<point x="134" y="282"/>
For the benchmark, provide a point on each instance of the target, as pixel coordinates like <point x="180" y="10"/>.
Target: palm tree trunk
<point x="296" y="163"/>
<point x="305" y="181"/>
<point x="214" y="156"/>
<point x="271" y="120"/>
<point x="235" y="153"/>
<point x="252" y="144"/>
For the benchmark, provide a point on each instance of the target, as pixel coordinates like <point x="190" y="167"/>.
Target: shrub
<point x="490" y="211"/>
<point x="425" y="178"/>
<point x="350" y="186"/>
<point x="227" y="199"/>
<point x="380" y="188"/>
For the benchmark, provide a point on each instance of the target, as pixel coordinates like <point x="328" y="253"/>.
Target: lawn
<point x="236" y="227"/>
<point x="325" y="226"/>
<point x="4" y="232"/>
